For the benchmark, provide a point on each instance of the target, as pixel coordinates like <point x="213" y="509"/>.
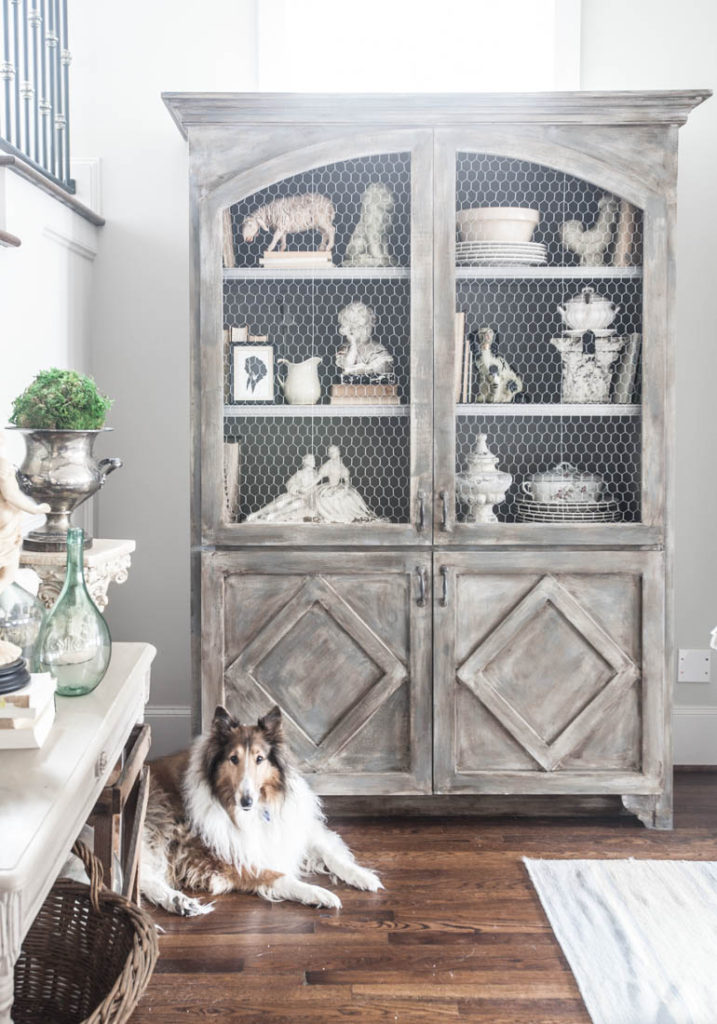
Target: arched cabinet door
<point x="551" y="283"/>
<point x="316" y="363"/>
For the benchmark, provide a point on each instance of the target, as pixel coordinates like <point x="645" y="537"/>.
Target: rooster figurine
<point x="590" y="244"/>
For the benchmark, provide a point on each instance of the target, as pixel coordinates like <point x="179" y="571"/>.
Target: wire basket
<point x="87" y="957"/>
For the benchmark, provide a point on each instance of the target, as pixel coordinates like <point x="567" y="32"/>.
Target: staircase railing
<point x="34" y="86"/>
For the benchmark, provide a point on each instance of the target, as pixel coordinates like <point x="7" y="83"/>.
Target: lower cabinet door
<point x="549" y="672"/>
<point x="342" y="643"/>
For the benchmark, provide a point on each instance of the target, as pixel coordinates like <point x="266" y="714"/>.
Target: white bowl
<point x="497" y="224"/>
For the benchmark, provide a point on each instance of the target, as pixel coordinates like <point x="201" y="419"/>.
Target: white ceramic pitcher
<point x="302" y="385"/>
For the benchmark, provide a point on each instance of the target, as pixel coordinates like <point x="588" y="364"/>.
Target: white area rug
<point x="639" y="935"/>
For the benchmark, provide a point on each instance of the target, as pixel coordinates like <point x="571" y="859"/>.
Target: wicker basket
<point x="87" y="957"/>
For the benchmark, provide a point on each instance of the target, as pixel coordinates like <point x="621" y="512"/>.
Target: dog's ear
<point x="223" y="722"/>
<point x="271" y="725"/>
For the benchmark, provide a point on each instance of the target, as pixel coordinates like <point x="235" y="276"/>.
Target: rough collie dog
<point x="232" y="814"/>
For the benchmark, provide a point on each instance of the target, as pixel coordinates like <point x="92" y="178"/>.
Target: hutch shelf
<point x="413" y="648"/>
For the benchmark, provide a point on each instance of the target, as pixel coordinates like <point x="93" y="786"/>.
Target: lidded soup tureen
<point x="482" y="485"/>
<point x="564" y="482"/>
<point x="588" y="311"/>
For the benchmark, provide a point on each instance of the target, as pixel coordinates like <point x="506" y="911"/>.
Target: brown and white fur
<point x="233" y="815"/>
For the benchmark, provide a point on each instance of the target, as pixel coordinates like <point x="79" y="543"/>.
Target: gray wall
<point x="141" y="314"/>
<point x="661" y="44"/>
<point x="141" y="307"/>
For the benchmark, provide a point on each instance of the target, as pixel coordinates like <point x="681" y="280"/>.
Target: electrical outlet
<point x="694" y="667"/>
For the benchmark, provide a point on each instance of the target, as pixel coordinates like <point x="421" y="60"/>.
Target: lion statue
<point x="367" y="246"/>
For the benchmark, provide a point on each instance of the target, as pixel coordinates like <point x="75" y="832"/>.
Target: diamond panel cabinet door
<point x="549" y="680"/>
<point x="341" y="644"/>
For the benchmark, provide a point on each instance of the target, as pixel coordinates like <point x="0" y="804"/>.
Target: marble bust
<point x="361" y="355"/>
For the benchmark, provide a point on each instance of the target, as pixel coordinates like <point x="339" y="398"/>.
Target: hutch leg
<point x="654" y="811"/>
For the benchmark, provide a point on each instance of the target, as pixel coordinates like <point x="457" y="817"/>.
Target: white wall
<point x="45" y="291"/>
<point x="140" y="329"/>
<point x="662" y="44"/>
<point x="124" y="57"/>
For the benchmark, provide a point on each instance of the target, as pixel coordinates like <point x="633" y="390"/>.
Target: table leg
<point x="6" y="990"/>
<point x="10" y="945"/>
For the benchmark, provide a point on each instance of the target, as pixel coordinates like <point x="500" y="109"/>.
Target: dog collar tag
<point x="265" y="814"/>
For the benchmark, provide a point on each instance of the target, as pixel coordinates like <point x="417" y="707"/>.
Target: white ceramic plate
<point x="573" y="515"/>
<point x="559" y="506"/>
<point x="476" y="247"/>
<point x="497" y="261"/>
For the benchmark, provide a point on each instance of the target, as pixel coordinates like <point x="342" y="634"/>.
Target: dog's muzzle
<point x="246" y="801"/>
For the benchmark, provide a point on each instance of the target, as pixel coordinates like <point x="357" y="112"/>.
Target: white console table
<point x="47" y="795"/>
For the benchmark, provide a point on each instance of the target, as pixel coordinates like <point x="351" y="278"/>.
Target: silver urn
<point x="60" y="468"/>
<point x="482" y="485"/>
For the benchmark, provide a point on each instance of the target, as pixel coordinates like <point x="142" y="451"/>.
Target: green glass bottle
<point x="75" y="643"/>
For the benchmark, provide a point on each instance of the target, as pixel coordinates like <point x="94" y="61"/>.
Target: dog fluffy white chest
<point x="265" y="838"/>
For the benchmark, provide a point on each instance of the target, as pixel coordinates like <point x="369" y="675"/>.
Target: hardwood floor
<point x="458" y="933"/>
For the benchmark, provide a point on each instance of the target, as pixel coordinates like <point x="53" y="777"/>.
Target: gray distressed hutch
<point x="420" y="651"/>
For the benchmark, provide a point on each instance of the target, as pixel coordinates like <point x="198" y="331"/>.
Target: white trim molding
<point x="168" y="711"/>
<point x="695" y="734"/>
<point x="171" y="726"/>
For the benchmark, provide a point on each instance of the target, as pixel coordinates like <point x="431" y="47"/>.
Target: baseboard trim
<point x="168" y="711"/>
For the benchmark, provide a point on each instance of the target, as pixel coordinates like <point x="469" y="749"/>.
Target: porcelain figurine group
<point x="312" y="495"/>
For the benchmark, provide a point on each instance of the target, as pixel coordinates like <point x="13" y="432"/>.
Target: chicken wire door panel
<point x="326" y="354"/>
<point x="539" y="358"/>
<point x="550" y="676"/>
<point x="341" y="644"/>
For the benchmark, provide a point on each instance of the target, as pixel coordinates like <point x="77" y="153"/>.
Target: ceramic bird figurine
<point x="590" y="244"/>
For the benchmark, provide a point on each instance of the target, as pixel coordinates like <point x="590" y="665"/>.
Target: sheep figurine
<point x="309" y="211"/>
<point x="591" y="244"/>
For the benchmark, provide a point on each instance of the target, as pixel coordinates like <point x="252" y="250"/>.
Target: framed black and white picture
<point x="252" y="372"/>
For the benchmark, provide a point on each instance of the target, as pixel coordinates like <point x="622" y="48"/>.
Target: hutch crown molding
<point x="347" y="562"/>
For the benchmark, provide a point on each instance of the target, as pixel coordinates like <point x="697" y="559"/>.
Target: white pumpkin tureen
<point x="588" y="311"/>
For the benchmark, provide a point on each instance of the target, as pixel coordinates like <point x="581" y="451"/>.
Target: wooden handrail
<point x="8" y="239"/>
<point x="14" y="163"/>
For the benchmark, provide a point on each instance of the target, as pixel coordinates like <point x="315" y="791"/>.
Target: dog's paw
<point x="323" y="898"/>
<point x="362" y="878"/>
<point x="185" y="906"/>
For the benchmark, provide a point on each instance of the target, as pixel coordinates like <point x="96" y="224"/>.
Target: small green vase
<point x="75" y="643"/>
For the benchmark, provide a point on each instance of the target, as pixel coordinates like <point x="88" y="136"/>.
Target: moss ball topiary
<point x="61" y="400"/>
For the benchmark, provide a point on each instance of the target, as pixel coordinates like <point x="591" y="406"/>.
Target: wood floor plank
<point x="458" y="934"/>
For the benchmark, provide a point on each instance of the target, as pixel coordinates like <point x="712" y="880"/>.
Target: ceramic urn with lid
<point x="588" y="311"/>
<point x="482" y="485"/>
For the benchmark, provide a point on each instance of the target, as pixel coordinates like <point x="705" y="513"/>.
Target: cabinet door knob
<point x="421" y="523"/>
<point x="421" y="599"/>
<point x="444" y="509"/>
<point x="443" y="600"/>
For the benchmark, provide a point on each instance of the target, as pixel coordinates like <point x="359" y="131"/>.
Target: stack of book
<point x="26" y="715"/>
<point x="463" y="375"/>
<point x="305" y="260"/>
<point x="360" y="393"/>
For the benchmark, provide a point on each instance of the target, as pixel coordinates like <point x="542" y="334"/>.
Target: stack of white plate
<point x="501" y="254"/>
<point x="529" y="511"/>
